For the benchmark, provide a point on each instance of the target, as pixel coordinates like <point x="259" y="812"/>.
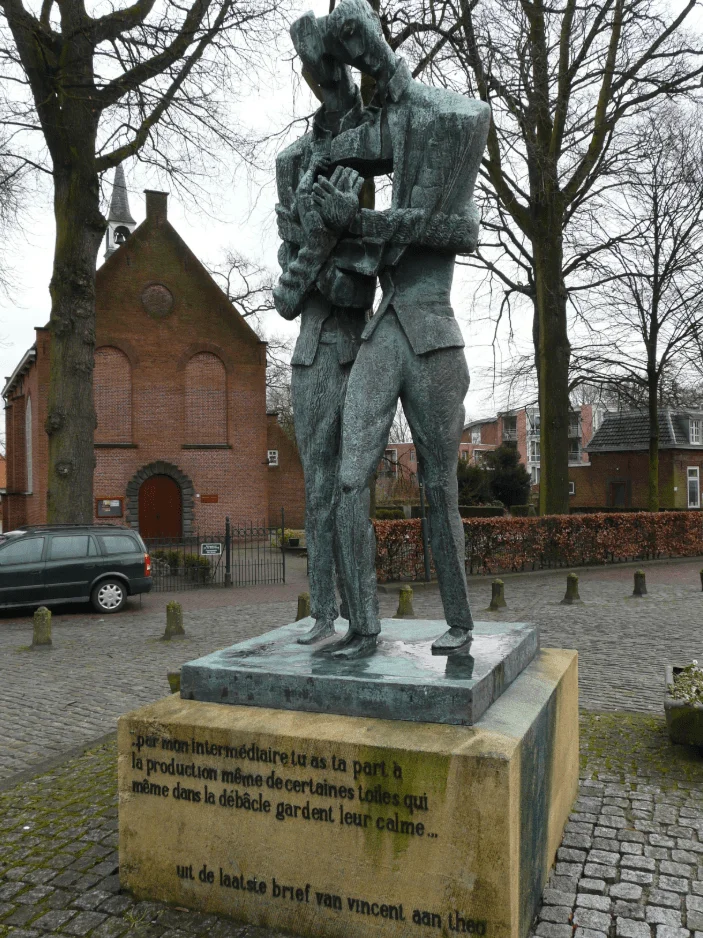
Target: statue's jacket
<point x="334" y="309"/>
<point x="433" y="139"/>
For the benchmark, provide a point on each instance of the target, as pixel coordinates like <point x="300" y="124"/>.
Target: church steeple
<point x="120" y="223"/>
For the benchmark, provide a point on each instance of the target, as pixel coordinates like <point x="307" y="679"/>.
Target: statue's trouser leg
<point x="318" y="397"/>
<point x="369" y="408"/>
<point x="433" y="391"/>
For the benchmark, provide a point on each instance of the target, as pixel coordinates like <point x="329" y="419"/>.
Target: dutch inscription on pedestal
<point x="325" y="794"/>
<point x="332" y="826"/>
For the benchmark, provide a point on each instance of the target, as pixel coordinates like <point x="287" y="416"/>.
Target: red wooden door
<point x="160" y="512"/>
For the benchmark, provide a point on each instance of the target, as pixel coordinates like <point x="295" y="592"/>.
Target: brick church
<point x="183" y="438"/>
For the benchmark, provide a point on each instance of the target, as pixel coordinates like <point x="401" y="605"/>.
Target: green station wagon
<point x="48" y="564"/>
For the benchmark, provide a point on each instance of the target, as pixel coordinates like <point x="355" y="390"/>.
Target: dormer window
<point x="694" y="431"/>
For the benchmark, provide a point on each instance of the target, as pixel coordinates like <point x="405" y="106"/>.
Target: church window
<point x="28" y="444"/>
<point x="206" y="400"/>
<point x="112" y="394"/>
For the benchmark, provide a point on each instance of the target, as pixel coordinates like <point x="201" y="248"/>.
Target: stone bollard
<point x="174" y="681"/>
<point x="174" y="621"/>
<point x="497" y="596"/>
<point x="572" y="597"/>
<point x="640" y="584"/>
<point x="303" y="606"/>
<point x="405" y="603"/>
<point x="42" y="627"/>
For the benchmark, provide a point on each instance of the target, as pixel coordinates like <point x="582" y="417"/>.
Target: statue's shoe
<point x="323" y="628"/>
<point x="452" y="641"/>
<point x="359" y="646"/>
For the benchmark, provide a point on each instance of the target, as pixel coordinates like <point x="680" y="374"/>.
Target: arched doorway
<point x="160" y="508"/>
<point x="185" y="485"/>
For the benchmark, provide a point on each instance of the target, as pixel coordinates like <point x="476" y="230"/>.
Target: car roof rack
<point x="50" y="527"/>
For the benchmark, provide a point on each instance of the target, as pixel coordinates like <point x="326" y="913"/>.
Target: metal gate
<point x="240" y="555"/>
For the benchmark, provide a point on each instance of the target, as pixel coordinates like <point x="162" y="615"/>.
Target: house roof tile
<point x="629" y="431"/>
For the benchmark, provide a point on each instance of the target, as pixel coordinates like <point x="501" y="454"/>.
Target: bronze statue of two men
<point x="349" y="370"/>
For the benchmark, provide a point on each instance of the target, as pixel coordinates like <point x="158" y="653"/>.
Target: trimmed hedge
<point x="390" y="514"/>
<point x="513" y="544"/>
<point x="481" y="511"/>
<point x="523" y="511"/>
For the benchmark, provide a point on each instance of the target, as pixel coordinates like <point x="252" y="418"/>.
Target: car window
<point x="119" y="544"/>
<point x="68" y="546"/>
<point x="28" y="550"/>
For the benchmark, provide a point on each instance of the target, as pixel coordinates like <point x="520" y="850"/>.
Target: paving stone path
<point x="630" y="865"/>
<point x="98" y="668"/>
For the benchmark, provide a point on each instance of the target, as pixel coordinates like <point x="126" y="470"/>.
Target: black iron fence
<point x="239" y="555"/>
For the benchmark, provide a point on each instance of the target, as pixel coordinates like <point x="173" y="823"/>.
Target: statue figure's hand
<point x="321" y="165"/>
<point x="287" y="220"/>
<point x="337" y="199"/>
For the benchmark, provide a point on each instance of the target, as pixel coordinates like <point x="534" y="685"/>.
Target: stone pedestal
<point x="403" y="680"/>
<point x="342" y="826"/>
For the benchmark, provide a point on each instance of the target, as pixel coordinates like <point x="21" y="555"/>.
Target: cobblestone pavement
<point x="57" y="698"/>
<point x="630" y="865"/>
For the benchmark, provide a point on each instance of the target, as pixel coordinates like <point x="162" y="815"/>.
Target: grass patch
<point x="636" y="744"/>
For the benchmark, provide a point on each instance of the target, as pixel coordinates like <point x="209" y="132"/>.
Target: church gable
<point x="154" y="284"/>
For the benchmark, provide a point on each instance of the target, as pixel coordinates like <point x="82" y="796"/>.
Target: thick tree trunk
<point x="553" y="354"/>
<point x="79" y="230"/>
<point x="652" y="390"/>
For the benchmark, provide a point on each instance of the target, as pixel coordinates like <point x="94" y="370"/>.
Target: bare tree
<point x="563" y="81"/>
<point x="13" y="179"/>
<point x="248" y="285"/>
<point x="148" y="80"/>
<point x="650" y="309"/>
<point x="400" y="429"/>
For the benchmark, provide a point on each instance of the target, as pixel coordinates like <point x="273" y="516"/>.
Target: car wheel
<point x="109" y="596"/>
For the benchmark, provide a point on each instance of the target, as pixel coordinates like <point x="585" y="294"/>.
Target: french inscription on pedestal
<point x="326" y="793"/>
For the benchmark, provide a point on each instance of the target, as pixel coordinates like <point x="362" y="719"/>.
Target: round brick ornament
<point x="157" y="300"/>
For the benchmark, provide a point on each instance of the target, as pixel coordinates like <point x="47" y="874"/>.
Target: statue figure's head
<point x="353" y="35"/>
<point x="330" y="80"/>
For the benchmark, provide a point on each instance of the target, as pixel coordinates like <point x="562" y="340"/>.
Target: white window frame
<point x="535" y="447"/>
<point x="475" y="435"/>
<point x="273" y="457"/>
<point x="693" y="472"/>
<point x="694" y="432"/>
<point x="572" y="488"/>
<point x="412" y="455"/>
<point x="390" y="455"/>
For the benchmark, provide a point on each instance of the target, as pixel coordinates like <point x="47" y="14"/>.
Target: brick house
<point x="397" y="473"/>
<point x="617" y="476"/>
<point x="3" y="483"/>
<point x="521" y="427"/>
<point x="183" y="438"/>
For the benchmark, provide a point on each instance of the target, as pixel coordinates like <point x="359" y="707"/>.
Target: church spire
<point x="120" y="223"/>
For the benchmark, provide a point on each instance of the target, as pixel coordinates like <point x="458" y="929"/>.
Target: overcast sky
<point x="237" y="215"/>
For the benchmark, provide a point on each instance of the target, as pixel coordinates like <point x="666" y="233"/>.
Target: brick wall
<point x="286" y="487"/>
<point x="179" y="381"/>
<point x="112" y="391"/>
<point x="592" y="482"/>
<point x="205" y="399"/>
<point x="198" y="376"/>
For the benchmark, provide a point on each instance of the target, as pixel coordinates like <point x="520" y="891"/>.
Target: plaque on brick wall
<point x="209" y="499"/>
<point x="108" y="507"/>
<point x="157" y="300"/>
